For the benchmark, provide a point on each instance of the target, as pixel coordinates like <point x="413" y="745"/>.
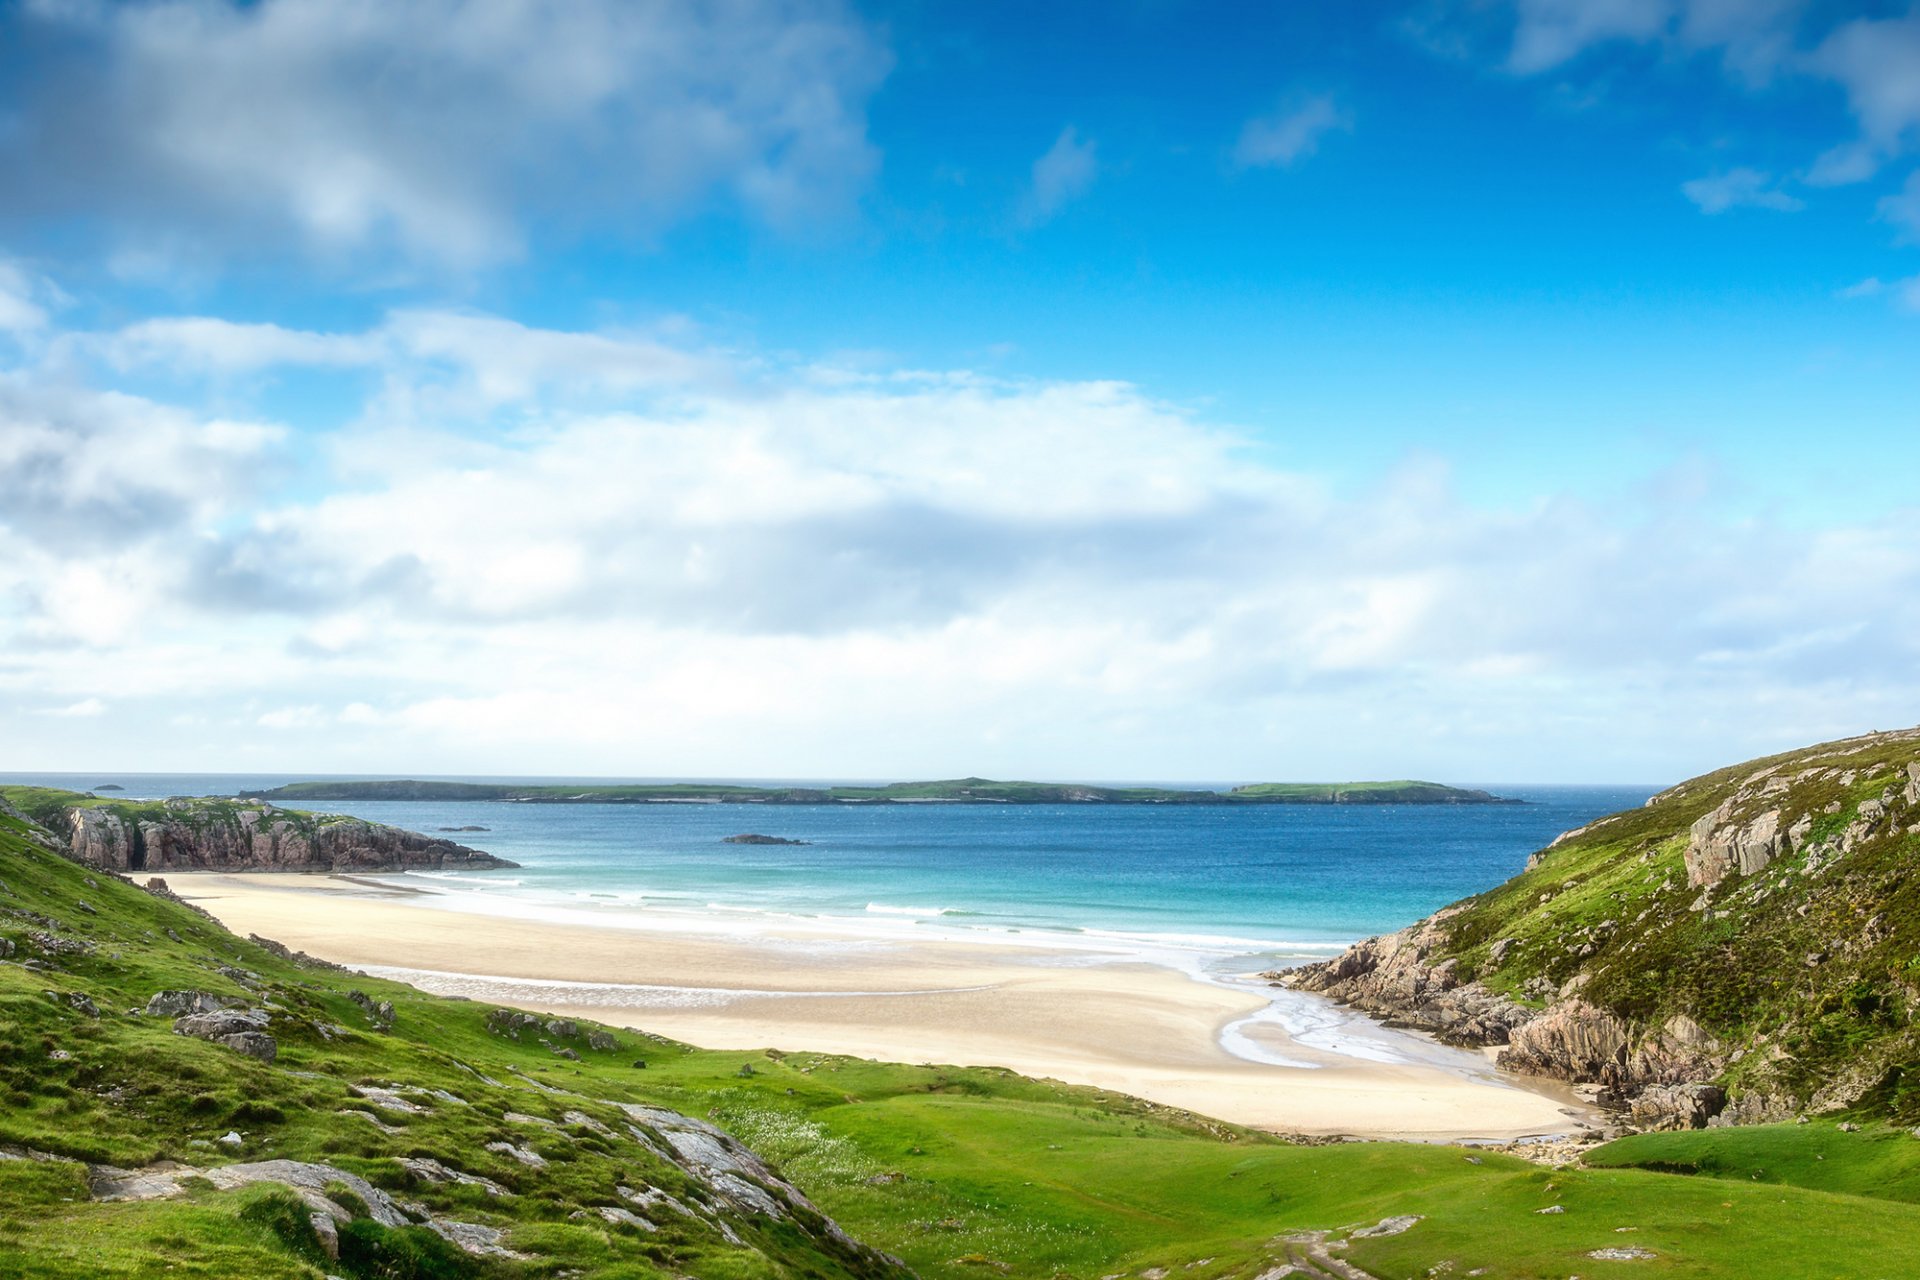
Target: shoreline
<point x="1157" y="1028"/>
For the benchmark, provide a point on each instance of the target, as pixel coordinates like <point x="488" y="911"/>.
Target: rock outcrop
<point x="198" y="834"/>
<point x="1679" y="957"/>
<point x="1397" y="977"/>
<point x="242" y="1030"/>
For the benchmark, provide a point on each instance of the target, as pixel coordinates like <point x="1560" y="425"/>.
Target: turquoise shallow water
<point x="1236" y="885"/>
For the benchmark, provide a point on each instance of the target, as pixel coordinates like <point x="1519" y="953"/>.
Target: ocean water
<point x="1231" y="889"/>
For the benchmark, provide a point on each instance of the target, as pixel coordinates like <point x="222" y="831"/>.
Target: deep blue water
<point x="1246" y="880"/>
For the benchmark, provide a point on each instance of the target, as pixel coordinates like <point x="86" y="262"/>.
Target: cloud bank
<point x="614" y="553"/>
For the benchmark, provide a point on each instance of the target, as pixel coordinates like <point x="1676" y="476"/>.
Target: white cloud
<point x="1549" y="32"/>
<point x="1739" y="189"/>
<point x="433" y="129"/>
<point x="83" y="709"/>
<point x="1903" y="209"/>
<point x="1063" y="174"/>
<point x="19" y="312"/>
<point x="1877" y="62"/>
<point x="1290" y="134"/>
<point x="806" y="570"/>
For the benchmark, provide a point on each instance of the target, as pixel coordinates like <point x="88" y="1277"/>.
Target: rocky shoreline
<point x="1792" y="866"/>
<point x="1657" y="1079"/>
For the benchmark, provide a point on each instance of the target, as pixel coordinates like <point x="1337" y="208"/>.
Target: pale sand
<point x="1132" y="1027"/>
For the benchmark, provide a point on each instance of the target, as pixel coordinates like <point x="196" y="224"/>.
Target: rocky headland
<point x="1741" y="949"/>
<point x="211" y="834"/>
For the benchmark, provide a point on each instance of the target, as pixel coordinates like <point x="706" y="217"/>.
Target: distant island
<point x="952" y="791"/>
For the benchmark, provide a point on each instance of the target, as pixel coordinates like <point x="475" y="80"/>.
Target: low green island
<point x="950" y="791"/>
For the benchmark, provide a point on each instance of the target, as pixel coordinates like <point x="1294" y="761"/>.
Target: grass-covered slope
<point x="961" y="1173"/>
<point x="1756" y="930"/>
<point x="950" y="791"/>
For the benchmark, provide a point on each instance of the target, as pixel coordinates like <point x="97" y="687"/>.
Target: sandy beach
<point x="1078" y="1015"/>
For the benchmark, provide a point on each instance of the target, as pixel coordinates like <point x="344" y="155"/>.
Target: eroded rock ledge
<point x="193" y="834"/>
<point x="1659" y="1078"/>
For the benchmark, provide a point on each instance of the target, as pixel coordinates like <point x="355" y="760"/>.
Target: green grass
<point x="961" y="1172"/>
<point x="1875" y="1160"/>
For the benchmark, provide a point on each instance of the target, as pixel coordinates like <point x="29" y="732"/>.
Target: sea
<point x="1225" y="890"/>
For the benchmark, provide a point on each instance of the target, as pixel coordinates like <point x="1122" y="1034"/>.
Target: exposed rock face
<point x="217" y="835"/>
<point x="1719" y="844"/>
<point x="1570" y="1041"/>
<point x="1656" y="1076"/>
<point x="1392" y="976"/>
<point x="242" y="1030"/>
<point x="1676" y="1106"/>
<point x="1758" y="900"/>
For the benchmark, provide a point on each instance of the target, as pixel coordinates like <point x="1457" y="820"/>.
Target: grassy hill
<point x="949" y="791"/>
<point x="410" y="1101"/>
<point x="1751" y="936"/>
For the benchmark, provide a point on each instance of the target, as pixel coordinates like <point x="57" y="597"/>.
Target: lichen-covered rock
<point x="1677" y="1106"/>
<point x="242" y="1030"/>
<point x="178" y="1004"/>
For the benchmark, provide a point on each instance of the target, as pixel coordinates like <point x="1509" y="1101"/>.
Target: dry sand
<point x="1120" y="1024"/>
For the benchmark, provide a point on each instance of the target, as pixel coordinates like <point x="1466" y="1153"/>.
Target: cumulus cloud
<point x="1877" y="62"/>
<point x="20" y="310"/>
<point x="1739" y="189"/>
<point x="1064" y="173"/>
<point x="1549" y="32"/>
<point x="89" y="469"/>
<point x="429" y="129"/>
<point x="1290" y="134"/>
<point x="793" y="570"/>
<point x="1903" y="209"/>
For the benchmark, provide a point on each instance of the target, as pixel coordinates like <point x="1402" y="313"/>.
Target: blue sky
<point x="1493" y="389"/>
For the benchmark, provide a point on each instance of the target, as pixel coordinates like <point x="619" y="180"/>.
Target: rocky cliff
<point x="1744" y="947"/>
<point x="186" y="834"/>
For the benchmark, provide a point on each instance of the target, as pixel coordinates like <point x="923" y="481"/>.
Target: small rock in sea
<point x="754" y="838"/>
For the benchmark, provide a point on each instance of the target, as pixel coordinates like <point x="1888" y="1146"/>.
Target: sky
<point x="1484" y="390"/>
